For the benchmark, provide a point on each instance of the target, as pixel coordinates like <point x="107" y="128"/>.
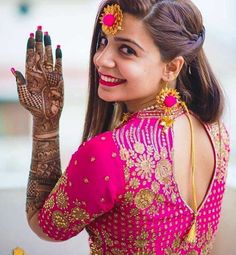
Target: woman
<point x="149" y="176"/>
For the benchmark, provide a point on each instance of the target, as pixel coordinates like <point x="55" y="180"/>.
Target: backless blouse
<point x="120" y="187"/>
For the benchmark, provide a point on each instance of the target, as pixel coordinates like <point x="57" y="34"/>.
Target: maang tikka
<point x="111" y="19"/>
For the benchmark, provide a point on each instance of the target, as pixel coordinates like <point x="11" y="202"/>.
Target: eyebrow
<point x="122" y="39"/>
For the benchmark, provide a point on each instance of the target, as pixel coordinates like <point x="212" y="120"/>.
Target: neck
<point x="135" y="106"/>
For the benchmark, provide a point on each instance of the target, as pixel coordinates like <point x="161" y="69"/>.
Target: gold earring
<point x="168" y="101"/>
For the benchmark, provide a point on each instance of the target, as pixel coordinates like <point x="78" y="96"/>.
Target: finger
<point x="30" y="56"/>
<point x="25" y="96"/>
<point x="20" y="80"/>
<point x="39" y="45"/>
<point x="58" y="65"/>
<point x="48" y="57"/>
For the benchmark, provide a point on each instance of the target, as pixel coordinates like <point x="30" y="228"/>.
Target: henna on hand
<point x="44" y="174"/>
<point x="41" y="92"/>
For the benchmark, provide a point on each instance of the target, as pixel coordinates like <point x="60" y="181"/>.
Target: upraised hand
<point x="41" y="91"/>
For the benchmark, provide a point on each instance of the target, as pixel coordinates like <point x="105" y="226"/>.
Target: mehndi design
<point x="41" y="92"/>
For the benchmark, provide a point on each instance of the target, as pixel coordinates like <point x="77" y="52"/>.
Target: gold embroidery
<point x="62" y="200"/>
<point x="163" y="171"/>
<point x="59" y="220"/>
<point x="134" y="183"/>
<point x="142" y="240"/>
<point x="61" y="181"/>
<point x="49" y="204"/>
<point x="144" y="198"/>
<point x="124" y="154"/>
<point x="139" y="147"/>
<point x="78" y="213"/>
<point x="145" y="166"/>
<point x="128" y="197"/>
<point x="155" y="186"/>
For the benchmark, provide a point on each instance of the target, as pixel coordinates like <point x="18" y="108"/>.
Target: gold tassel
<point x="191" y="237"/>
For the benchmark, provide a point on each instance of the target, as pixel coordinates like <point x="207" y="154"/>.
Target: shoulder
<point x="220" y="132"/>
<point x="221" y="137"/>
<point x="97" y="151"/>
<point x="97" y="161"/>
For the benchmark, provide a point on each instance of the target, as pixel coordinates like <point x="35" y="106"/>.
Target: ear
<point x="172" y="69"/>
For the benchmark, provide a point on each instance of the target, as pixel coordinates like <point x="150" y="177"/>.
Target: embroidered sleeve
<point x="89" y="187"/>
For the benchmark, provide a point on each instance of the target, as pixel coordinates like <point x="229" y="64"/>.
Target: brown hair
<point x="177" y="29"/>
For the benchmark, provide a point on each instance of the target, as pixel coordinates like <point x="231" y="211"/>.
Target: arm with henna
<point x="41" y="92"/>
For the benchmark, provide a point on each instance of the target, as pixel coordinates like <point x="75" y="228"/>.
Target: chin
<point x="106" y="96"/>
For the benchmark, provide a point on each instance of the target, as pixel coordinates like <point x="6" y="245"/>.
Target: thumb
<point x="20" y="79"/>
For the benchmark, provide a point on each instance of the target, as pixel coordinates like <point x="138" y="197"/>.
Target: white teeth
<point x="108" y="79"/>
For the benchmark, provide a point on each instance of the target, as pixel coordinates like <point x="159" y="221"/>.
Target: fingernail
<point x="58" y="46"/>
<point x="13" y="70"/>
<point x="32" y="35"/>
<point x="39" y="28"/>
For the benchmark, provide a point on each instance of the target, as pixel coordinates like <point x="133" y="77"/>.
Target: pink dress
<point x="120" y="187"/>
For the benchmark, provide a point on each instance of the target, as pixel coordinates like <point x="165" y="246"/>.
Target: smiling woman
<point x="149" y="175"/>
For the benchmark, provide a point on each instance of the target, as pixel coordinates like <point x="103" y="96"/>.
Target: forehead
<point x="135" y="29"/>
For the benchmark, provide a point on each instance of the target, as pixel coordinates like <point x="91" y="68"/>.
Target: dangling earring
<point x="168" y="101"/>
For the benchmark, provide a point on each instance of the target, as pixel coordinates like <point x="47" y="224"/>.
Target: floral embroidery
<point x="144" y="198"/>
<point x="145" y="166"/>
<point x="163" y="171"/>
<point x="139" y="147"/>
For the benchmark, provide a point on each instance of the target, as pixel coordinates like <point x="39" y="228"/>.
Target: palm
<point x="41" y="91"/>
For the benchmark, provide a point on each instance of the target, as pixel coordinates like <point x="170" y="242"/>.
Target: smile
<point x="108" y="81"/>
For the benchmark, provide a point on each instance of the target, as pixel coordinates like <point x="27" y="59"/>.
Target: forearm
<point x="45" y="167"/>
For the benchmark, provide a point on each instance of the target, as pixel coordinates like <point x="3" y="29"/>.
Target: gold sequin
<point x="114" y="154"/>
<point x="144" y="198"/>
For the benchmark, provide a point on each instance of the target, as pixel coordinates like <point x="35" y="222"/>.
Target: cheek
<point x="94" y="58"/>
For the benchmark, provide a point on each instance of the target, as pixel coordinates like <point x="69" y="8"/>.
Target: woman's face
<point x="137" y="64"/>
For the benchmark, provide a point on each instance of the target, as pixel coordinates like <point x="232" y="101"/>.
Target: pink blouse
<point x="120" y="187"/>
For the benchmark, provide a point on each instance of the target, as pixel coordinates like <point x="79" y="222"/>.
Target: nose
<point x="104" y="58"/>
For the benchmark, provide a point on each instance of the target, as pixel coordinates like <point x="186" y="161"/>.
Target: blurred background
<point x="70" y="24"/>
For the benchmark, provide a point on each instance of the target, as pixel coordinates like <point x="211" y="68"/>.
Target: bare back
<point x="204" y="159"/>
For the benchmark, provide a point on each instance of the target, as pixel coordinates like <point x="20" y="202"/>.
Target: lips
<point x="108" y="80"/>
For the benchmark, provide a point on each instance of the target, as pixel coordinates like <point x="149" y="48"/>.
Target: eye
<point x="128" y="51"/>
<point x="102" y="41"/>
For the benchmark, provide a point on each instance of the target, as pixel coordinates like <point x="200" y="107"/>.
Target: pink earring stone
<point x="170" y="101"/>
<point x="109" y="20"/>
